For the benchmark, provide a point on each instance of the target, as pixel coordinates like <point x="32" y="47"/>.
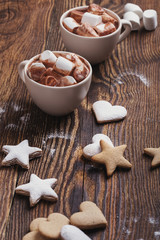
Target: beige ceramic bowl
<point x="94" y="49"/>
<point x="56" y="101"/>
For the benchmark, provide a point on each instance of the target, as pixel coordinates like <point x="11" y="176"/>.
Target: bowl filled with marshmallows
<point x="57" y="81"/>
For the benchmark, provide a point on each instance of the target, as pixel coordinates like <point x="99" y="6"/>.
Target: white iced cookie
<point x="38" y="189"/>
<point x="105" y="112"/>
<point x="91" y="19"/>
<point x="130" y="7"/>
<point x="20" y="154"/>
<point x="48" y="56"/>
<point x="94" y="148"/>
<point x="69" y="232"/>
<point x="150" y="19"/>
<point x="64" y="66"/>
<point x="69" y="23"/>
<point x="134" y="19"/>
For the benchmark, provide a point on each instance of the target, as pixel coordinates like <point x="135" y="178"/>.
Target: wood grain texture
<point x="130" y="200"/>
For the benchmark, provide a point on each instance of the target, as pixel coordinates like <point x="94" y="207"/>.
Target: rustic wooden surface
<point x="130" y="200"/>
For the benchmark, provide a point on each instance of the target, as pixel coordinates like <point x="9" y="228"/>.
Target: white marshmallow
<point x="133" y="18"/>
<point x="48" y="56"/>
<point x="36" y="65"/>
<point x="150" y="19"/>
<point x="101" y="27"/>
<point x="69" y="232"/>
<point x="70" y="80"/>
<point x="130" y="7"/>
<point x="64" y="66"/>
<point x="70" y="23"/>
<point x="91" y="19"/>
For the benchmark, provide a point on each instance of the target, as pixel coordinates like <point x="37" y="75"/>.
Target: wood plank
<point x="130" y="77"/>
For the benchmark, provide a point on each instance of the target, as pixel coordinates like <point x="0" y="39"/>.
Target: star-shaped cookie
<point x="112" y="157"/>
<point x="155" y="153"/>
<point x="38" y="189"/>
<point x="20" y="154"/>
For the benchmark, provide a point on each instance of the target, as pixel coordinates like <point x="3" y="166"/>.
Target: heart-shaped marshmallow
<point x="89" y="217"/>
<point x="69" y="232"/>
<point x="52" y="228"/>
<point x="94" y="148"/>
<point x="105" y="112"/>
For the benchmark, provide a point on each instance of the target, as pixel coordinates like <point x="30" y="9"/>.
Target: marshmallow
<point x="69" y="23"/>
<point x="64" y="66"/>
<point x="91" y="19"/>
<point x="77" y="15"/>
<point x="107" y="18"/>
<point x="74" y="58"/>
<point x="130" y="7"/>
<point x="67" y="80"/>
<point x="105" y="29"/>
<point x="48" y="57"/>
<point x="69" y="232"/>
<point x="80" y="72"/>
<point x="150" y="19"/>
<point x="96" y="9"/>
<point x="86" y="30"/>
<point x="133" y="18"/>
<point x="36" y="70"/>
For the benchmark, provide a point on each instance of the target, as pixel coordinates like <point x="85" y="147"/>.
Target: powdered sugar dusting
<point x="59" y="135"/>
<point x="1" y="110"/>
<point x="11" y="126"/>
<point x="127" y="231"/>
<point x="141" y="77"/>
<point x="16" y="108"/>
<point x="136" y="219"/>
<point x="153" y="220"/>
<point x="25" y="117"/>
<point x="157" y="234"/>
<point x="52" y="151"/>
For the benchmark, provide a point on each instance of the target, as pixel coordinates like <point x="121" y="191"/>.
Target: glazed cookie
<point x="52" y="227"/>
<point x="35" y="224"/>
<point x="95" y="148"/>
<point x="105" y="112"/>
<point x="20" y="154"/>
<point x="69" y="232"/>
<point x="112" y="157"/>
<point x="38" y="188"/>
<point x="89" y="217"/>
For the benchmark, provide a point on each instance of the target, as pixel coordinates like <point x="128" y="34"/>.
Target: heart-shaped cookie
<point x="105" y="112"/>
<point x="35" y="235"/>
<point x="34" y="225"/>
<point x="89" y="217"/>
<point x="52" y="227"/>
<point x="95" y="148"/>
<point x="69" y="232"/>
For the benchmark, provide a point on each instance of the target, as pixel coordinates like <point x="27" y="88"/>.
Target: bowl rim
<point x="84" y="37"/>
<point x="55" y="87"/>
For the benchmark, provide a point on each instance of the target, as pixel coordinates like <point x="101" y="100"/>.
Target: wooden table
<point x="130" y="200"/>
